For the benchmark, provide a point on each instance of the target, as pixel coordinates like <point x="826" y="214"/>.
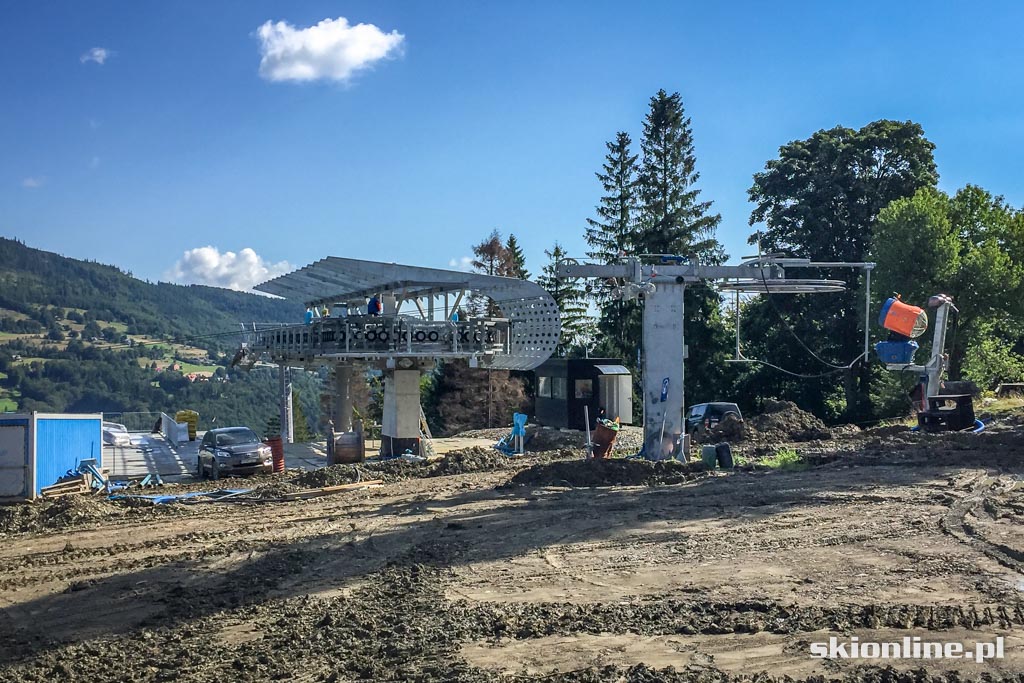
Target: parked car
<point x="705" y="416"/>
<point x="232" y="450"/>
<point x="116" y="434"/>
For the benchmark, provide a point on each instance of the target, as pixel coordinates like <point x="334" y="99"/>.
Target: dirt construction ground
<point x="544" y="567"/>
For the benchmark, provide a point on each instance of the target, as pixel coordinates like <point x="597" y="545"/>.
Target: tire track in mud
<point x="396" y="625"/>
<point x="956" y="524"/>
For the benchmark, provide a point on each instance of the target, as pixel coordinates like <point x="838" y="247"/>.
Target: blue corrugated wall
<point x="61" y="444"/>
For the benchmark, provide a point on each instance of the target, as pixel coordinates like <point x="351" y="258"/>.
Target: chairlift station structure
<point x="407" y="336"/>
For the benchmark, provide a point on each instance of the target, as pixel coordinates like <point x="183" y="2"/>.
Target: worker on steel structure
<point x="374" y="307"/>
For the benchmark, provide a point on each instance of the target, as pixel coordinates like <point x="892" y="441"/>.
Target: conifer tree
<point x="611" y="235"/>
<point x="516" y="259"/>
<point x="577" y="325"/>
<point x="673" y="220"/>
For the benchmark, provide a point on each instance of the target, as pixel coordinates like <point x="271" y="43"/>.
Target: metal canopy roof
<point x="531" y="310"/>
<point x="338" y="279"/>
<point x="612" y="369"/>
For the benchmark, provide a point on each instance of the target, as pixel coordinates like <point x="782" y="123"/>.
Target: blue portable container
<point x="37" y="449"/>
<point x="901" y="353"/>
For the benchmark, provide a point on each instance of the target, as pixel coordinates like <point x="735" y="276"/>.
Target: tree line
<point x="841" y="195"/>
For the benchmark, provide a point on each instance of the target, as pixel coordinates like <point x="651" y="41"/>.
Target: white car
<point x="116" y="434"/>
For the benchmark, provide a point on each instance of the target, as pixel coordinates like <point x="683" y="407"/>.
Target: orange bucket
<point x="909" y="321"/>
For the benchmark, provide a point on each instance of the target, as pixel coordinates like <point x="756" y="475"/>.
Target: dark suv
<point x="232" y="450"/>
<point x="704" y="416"/>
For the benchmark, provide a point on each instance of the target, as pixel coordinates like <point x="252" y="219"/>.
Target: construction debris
<point x="68" y="486"/>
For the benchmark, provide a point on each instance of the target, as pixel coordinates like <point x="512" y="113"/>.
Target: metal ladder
<point x="425" y="436"/>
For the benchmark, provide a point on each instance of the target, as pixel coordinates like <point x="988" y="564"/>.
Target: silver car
<point x="232" y="450"/>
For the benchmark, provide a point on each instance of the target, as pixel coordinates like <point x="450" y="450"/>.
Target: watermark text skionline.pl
<point x="905" y="648"/>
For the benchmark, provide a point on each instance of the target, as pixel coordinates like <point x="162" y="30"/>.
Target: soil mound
<point x="540" y="439"/>
<point x="388" y="471"/>
<point x="275" y="490"/>
<point x="784" y="421"/>
<point x="613" y="472"/>
<point x="71" y="511"/>
<point x="780" y="422"/>
<point x="475" y="459"/>
<point x="57" y="513"/>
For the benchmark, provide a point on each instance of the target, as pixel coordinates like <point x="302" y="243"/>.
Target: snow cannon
<point x="903" y="319"/>
<point x="904" y="322"/>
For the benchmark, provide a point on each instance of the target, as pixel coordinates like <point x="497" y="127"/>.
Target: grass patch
<point x="785" y="459"/>
<point x="27" y="360"/>
<point x="1001" y="405"/>
<point x="192" y="367"/>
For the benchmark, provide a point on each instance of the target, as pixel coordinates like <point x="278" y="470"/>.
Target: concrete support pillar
<point x="400" y="427"/>
<point x="663" y="372"/>
<point x="343" y="398"/>
<point x="389" y="303"/>
<point x="287" y="425"/>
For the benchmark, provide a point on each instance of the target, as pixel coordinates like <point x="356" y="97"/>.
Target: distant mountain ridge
<point x="30" y="278"/>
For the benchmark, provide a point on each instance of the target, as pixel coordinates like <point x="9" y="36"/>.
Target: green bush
<point x="785" y="459"/>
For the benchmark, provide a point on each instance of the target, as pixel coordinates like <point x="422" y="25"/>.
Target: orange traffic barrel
<point x="277" y="451"/>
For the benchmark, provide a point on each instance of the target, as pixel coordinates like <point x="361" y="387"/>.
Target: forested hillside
<point x="85" y="337"/>
<point x="32" y="280"/>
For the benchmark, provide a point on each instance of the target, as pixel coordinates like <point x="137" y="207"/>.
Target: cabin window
<point x="558" y="388"/>
<point x="585" y="389"/>
<point x="544" y="387"/>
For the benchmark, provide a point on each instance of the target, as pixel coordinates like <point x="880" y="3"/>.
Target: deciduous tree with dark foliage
<point x="820" y="199"/>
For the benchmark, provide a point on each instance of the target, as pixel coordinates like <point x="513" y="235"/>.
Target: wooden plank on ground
<point x="329" y="490"/>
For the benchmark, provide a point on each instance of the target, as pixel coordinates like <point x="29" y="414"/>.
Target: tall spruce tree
<point x="673" y="220"/>
<point x="516" y="259"/>
<point x="611" y="235"/>
<point x="577" y="325"/>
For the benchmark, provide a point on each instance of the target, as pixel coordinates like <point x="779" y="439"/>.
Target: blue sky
<point x="481" y="115"/>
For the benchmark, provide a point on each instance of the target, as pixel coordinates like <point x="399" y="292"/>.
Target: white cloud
<point x="331" y="50"/>
<point x="33" y="182"/>
<point x="241" y="271"/>
<point x="96" y="54"/>
<point x="464" y="264"/>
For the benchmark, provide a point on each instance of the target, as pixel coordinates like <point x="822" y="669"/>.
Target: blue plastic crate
<point x="901" y="353"/>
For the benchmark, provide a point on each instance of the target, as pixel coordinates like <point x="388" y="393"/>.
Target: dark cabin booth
<point x="565" y="385"/>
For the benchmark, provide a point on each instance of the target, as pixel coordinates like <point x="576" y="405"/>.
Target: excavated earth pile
<point x="612" y="472"/>
<point x="584" y="572"/>
<point x="542" y="439"/>
<point x="779" y="422"/>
